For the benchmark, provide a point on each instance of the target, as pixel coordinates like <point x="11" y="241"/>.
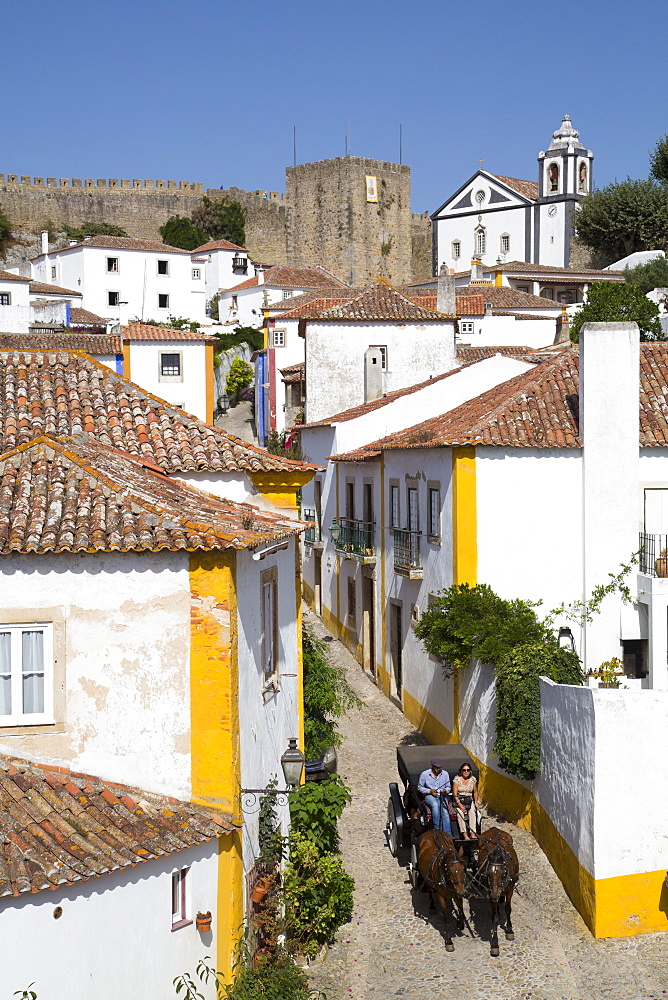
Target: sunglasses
<point x="466" y="770"/>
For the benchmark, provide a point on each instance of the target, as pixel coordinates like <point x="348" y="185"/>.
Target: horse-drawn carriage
<point x="444" y="863"/>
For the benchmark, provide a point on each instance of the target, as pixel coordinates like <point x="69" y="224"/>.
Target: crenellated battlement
<point x="111" y="184"/>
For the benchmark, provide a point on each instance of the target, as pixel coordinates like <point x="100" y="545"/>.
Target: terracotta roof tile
<point x="538" y="409"/>
<point x="58" y="392"/>
<point x="84" y="317"/>
<point x="91" y="343"/>
<point x="466" y="305"/>
<point x="286" y="276"/>
<point x="217" y="245"/>
<point x="528" y="189"/>
<point x="523" y="267"/>
<point x="294" y="373"/>
<point x="53" y="831"/>
<point x="124" y="243"/>
<point x="377" y="302"/>
<point x="73" y="494"/>
<point x="8" y="276"/>
<point x="40" y="288"/>
<point x="145" y="331"/>
<point x="503" y="297"/>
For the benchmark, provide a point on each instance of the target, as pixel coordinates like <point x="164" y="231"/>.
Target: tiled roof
<point x="83" y="317"/>
<point x="144" y="331"/>
<point x="40" y="288"/>
<point x="294" y="373"/>
<point x="286" y="276"/>
<point x="538" y="409"/>
<point x="217" y="245"/>
<point x="8" y="276"/>
<point x="503" y="297"/>
<point x="91" y="343"/>
<point x="59" y="827"/>
<point x="466" y="305"/>
<point x="123" y="243"/>
<point x="56" y="392"/>
<point x="470" y="354"/>
<point x="528" y="189"/>
<point x="314" y="298"/>
<point x="521" y="266"/>
<point x="378" y="302"/>
<point x="73" y="494"/>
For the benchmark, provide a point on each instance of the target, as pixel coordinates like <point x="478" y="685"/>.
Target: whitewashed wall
<point x="114" y="938"/>
<point x="127" y="663"/>
<point x="189" y="392"/>
<point x="511" y="221"/>
<point x="15" y="317"/>
<point x="507" y="331"/>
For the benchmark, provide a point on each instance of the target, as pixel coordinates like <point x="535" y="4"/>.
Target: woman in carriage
<point x="467" y="802"/>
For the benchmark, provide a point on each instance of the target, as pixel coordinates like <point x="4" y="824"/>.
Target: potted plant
<point x="661" y="564"/>
<point x="609" y="673"/>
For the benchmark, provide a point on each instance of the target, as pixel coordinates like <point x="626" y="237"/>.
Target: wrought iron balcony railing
<point x="239" y="262"/>
<point x="653" y="554"/>
<point x="355" y="537"/>
<point x="407" y="561"/>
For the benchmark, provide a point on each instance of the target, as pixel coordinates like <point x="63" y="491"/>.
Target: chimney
<point x="609" y="404"/>
<point x="488" y="308"/>
<point x="476" y="271"/>
<point x="445" y="293"/>
<point x="45" y="241"/>
<point x="563" y="334"/>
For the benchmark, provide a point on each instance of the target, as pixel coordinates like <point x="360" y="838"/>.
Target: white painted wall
<point x="335" y="359"/>
<point x="508" y="331"/>
<point x="15" y="317"/>
<point x="188" y="390"/>
<point x="114" y="938"/>
<point x="461" y="226"/>
<point x="219" y="272"/>
<point x="137" y="281"/>
<point x="127" y="663"/>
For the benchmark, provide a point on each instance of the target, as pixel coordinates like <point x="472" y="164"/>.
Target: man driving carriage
<point x="432" y="784"/>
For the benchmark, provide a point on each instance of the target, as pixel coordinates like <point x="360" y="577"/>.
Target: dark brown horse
<point x="498" y="871"/>
<point x="444" y="874"/>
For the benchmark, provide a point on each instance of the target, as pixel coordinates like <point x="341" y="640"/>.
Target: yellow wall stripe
<point x="209" y="401"/>
<point x="464" y="517"/>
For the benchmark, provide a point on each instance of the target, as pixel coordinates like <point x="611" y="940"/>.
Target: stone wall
<point x="331" y="222"/>
<point x="421" y="246"/>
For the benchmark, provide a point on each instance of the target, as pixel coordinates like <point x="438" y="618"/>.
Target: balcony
<point x="240" y="264"/>
<point x="653" y="555"/>
<point x="355" y="540"/>
<point x="312" y="536"/>
<point x="407" y="561"/>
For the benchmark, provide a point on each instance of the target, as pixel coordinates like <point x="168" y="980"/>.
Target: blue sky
<point x="211" y="91"/>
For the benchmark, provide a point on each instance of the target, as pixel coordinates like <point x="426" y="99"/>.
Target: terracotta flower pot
<point x="203" y="922"/>
<point x="661" y="566"/>
<point x="260" y="890"/>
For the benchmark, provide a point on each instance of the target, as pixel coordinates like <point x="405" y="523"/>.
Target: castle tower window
<point x="553" y="176"/>
<point x="480" y="241"/>
<point x="456" y="249"/>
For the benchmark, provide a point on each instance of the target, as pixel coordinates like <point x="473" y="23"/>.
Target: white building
<point x="225" y="264"/>
<point x="497" y="217"/>
<point x="14" y="303"/>
<point x="126" y="279"/>
<point x="243" y="304"/>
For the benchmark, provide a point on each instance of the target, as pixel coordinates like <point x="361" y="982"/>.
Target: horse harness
<point x="478" y="881"/>
<point x="435" y="864"/>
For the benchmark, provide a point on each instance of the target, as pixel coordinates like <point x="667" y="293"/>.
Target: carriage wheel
<point x="414" y="870"/>
<point x="391" y="830"/>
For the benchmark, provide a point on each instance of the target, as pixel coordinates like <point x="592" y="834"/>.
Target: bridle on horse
<point x="443" y="855"/>
<point x="479" y="884"/>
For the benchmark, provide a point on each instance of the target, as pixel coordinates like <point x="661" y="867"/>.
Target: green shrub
<point x="5" y="228"/>
<point x="318" y="896"/>
<point x="263" y="978"/>
<point x="327" y="696"/>
<point x="239" y="377"/>
<point x="79" y="233"/>
<point x="316" y="808"/>
<point x="181" y="232"/>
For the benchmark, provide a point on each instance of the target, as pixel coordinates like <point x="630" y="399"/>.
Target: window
<point x="269" y="610"/>
<point x="505" y="243"/>
<point x="170" y="365"/>
<point x="352" y="601"/>
<point x="434" y="511"/>
<point x="235" y="302"/>
<point x="523" y="288"/>
<point x="456" y="249"/>
<point x="547" y="293"/>
<point x="394" y="505"/>
<point x="5" y="299"/>
<point x="53" y="273"/>
<point x="163" y="301"/>
<point x="383" y="355"/>
<point x="553" y="177"/>
<point x="413" y="510"/>
<point x="480" y="197"/>
<point x="287" y="294"/>
<point x="466" y="326"/>
<point x="113" y="298"/>
<point x="480" y="241"/>
<point x="196" y="274"/>
<point x="180" y="899"/>
<point x="112" y="264"/>
<point x="26" y="674"/>
<point x="163" y="267"/>
<point x="350" y="501"/>
<point x="279" y="338"/>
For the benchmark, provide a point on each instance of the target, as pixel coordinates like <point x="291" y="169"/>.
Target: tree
<point x="622" y="218"/>
<point x="653" y="274"/>
<point x="92" y="229"/>
<point x="609" y="302"/>
<point x="658" y="161"/>
<point x="5" y="228"/>
<point x="181" y="232"/>
<point x="221" y="220"/>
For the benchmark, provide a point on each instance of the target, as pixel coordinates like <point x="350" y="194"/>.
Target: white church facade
<point x="497" y="219"/>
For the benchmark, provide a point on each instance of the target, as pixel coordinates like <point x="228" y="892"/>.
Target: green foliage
<point x="658" y="161"/>
<point x="315" y="809"/>
<point x="180" y="231"/>
<point x="5" y="228"/>
<point x="267" y="978"/>
<point x="653" y="274"/>
<point x="467" y="622"/>
<point x="621" y="218"/>
<point x="327" y="696"/>
<point x="221" y="220"/>
<point x="181" y="323"/>
<point x="242" y="335"/>
<point x="239" y="377"/>
<point x="270" y="838"/>
<point x="518" y="701"/>
<point x="609" y="672"/>
<point x="617" y="303"/>
<point x="214" y="308"/>
<point x="27" y="994"/>
<point x="318" y="896"/>
<point x="285" y="443"/>
<point x="581" y="611"/>
<point x="79" y="233"/>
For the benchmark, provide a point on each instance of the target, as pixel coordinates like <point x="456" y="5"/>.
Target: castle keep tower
<point x="352" y="216"/>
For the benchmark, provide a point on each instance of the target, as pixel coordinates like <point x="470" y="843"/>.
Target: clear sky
<point x="210" y="91"/>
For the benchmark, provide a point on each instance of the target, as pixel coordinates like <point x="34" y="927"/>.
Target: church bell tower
<point x="564" y="177"/>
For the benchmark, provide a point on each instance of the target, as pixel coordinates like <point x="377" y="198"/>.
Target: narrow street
<point x="392" y="948"/>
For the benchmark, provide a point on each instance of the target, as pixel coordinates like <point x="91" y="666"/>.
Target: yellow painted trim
<point x="336" y="555"/>
<point x="498" y="278"/>
<point x="464" y="517"/>
<point x="209" y="401"/>
<point x="214" y="687"/>
<point x="126" y="359"/>
<point x="631" y="904"/>
<point x="265" y="329"/>
<point x="383" y="676"/>
<point x="230" y="910"/>
<point x="281" y="488"/>
<point x="300" y="649"/>
<point x="423" y="720"/>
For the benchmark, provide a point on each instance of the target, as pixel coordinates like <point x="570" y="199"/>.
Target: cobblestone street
<point x="392" y="948"/>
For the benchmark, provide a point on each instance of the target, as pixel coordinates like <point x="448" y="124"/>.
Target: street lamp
<point x="224" y="403"/>
<point x="334" y="531"/>
<point x="565" y="639"/>
<point x="292" y="762"/>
